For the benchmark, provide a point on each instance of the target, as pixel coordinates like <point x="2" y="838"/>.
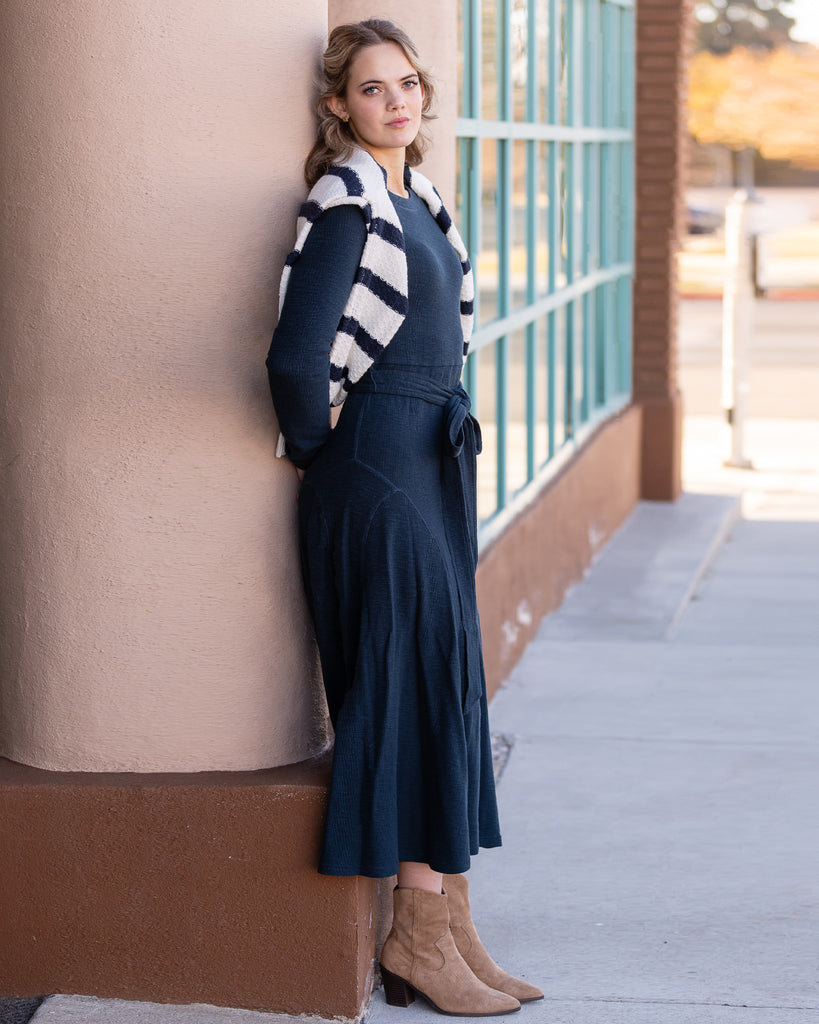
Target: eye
<point x="410" y="83"/>
<point x="371" y="90"/>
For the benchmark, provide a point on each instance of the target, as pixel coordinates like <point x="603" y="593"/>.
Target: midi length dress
<point x="387" y="534"/>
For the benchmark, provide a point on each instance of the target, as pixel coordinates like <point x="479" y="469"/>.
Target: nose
<point x="395" y="99"/>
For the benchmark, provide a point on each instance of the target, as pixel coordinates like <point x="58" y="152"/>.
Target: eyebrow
<point x="377" y="81"/>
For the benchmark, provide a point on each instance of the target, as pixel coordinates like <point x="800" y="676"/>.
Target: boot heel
<point x="396" y="990"/>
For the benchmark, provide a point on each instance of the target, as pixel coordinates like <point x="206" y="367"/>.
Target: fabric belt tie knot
<point x="460" y="427"/>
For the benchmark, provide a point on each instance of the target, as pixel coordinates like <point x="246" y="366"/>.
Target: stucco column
<point x="151" y="608"/>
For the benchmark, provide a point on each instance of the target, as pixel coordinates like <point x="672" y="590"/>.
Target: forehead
<point x="380" y="62"/>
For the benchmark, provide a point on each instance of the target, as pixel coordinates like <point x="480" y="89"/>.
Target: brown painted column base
<point x="661" y="464"/>
<point x="180" y="888"/>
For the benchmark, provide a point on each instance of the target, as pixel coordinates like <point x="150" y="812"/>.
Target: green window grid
<point x="545" y="201"/>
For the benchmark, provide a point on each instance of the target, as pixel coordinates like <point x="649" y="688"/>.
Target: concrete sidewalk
<point x="663" y="784"/>
<point x="659" y="798"/>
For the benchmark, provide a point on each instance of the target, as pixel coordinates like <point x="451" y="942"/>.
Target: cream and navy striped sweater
<point x="378" y="301"/>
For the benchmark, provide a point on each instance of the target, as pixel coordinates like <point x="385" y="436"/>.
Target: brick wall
<point x="665" y="31"/>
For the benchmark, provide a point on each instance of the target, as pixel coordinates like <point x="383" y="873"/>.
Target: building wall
<point x="151" y="608"/>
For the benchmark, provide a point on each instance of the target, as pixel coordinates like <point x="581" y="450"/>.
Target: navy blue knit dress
<point x="387" y="535"/>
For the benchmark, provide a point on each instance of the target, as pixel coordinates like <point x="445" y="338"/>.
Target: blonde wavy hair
<point x="334" y="138"/>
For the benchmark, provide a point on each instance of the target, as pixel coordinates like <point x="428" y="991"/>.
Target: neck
<point x="392" y="160"/>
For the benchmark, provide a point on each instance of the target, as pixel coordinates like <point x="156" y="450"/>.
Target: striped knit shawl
<point x="378" y="302"/>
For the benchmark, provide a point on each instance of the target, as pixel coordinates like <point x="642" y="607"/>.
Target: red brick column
<point x="665" y="31"/>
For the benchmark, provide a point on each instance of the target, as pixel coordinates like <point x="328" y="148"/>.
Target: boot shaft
<point x="420" y="920"/>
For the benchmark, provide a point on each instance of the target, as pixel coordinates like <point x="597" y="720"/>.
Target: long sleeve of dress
<point x="298" y="363"/>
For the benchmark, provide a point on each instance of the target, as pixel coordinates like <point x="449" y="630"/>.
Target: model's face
<point x="383" y="99"/>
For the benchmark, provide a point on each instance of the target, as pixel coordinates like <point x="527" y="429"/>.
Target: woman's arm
<point x="298" y="363"/>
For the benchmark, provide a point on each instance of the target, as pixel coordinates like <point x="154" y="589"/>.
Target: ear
<point x="337" y="106"/>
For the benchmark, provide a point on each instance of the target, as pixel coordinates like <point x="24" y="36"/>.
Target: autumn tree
<point x="756" y="24"/>
<point x="768" y="102"/>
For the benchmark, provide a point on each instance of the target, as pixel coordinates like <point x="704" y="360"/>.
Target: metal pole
<point x="737" y="325"/>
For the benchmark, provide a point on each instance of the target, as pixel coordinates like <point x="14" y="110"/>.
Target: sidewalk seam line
<point x="538" y="738"/>
<point x="625" y="1000"/>
<point x="729" y="519"/>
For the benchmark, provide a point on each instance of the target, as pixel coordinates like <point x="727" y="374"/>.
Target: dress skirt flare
<point x="387" y="523"/>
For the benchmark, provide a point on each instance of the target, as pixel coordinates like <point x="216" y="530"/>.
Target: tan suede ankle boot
<point x="420" y="956"/>
<point x="471" y="948"/>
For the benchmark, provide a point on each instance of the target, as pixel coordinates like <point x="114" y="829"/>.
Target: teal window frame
<point x="568" y="314"/>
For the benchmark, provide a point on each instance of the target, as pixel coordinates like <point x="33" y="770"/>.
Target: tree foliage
<point x="764" y="101"/>
<point x="757" y="24"/>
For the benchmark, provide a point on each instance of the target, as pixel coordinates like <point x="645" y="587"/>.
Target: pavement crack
<point x="676" y="1002"/>
<point x="668" y="741"/>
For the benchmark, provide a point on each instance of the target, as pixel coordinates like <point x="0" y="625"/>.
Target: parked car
<point x="702" y="221"/>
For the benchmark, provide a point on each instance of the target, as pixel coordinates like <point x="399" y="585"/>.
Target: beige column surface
<point x="433" y="27"/>
<point x="151" y="608"/>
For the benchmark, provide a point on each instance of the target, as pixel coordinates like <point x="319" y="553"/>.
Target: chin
<point x="405" y="136"/>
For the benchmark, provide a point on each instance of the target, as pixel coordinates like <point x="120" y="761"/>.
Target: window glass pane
<point x="561" y="257"/>
<point x="579" y="208"/>
<point x="516" y="412"/>
<point x="615" y="48"/>
<point x="624" y="335"/>
<point x="542" y="218"/>
<point x="591" y="37"/>
<point x="486" y="406"/>
<point x="461" y="188"/>
<point x="488" y="256"/>
<point x="519" y="57"/>
<point x="589" y="327"/>
<point x="605" y="205"/>
<point x="624" y="206"/>
<point x="541" y="396"/>
<point x="563" y="59"/>
<point x="600" y="334"/>
<point x="615" y="206"/>
<point x="590" y="207"/>
<point x="608" y="84"/>
<point x="490" y="13"/>
<point x="518" y="265"/>
<point x="578" y="375"/>
<point x="543" y="84"/>
<point x="568" y="368"/>
<point x="569" y="222"/>
<point x="558" y="382"/>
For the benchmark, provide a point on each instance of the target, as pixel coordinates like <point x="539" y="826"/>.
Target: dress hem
<point x="490" y="843"/>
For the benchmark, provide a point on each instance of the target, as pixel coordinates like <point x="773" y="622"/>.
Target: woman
<point x="381" y="280"/>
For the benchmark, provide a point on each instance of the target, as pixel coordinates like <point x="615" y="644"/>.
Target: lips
<point x="399" y="122"/>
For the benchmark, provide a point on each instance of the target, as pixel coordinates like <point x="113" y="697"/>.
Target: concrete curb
<point x="730" y="518"/>
<point x="63" y="1009"/>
